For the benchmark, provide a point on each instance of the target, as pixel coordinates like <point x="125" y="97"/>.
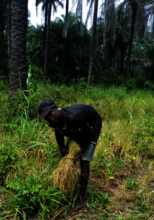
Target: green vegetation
<point x="121" y="179"/>
<point x="108" y="66"/>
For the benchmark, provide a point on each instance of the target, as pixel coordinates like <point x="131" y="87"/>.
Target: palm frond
<point x="37" y="2"/>
<point x="54" y="7"/>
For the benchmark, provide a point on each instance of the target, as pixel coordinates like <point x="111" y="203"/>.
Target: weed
<point x="8" y="156"/>
<point x="132" y="183"/>
<point x="33" y="195"/>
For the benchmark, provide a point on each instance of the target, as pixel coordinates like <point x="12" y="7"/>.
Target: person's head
<point x="49" y="111"/>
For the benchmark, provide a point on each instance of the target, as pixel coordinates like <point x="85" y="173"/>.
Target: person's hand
<point x="77" y="156"/>
<point x="63" y="150"/>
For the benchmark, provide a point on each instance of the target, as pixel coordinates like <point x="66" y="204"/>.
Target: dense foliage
<point x="123" y="49"/>
<point x="77" y="49"/>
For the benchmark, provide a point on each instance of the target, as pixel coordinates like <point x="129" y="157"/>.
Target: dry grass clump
<point x="66" y="173"/>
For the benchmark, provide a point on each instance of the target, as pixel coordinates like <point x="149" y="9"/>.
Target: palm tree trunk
<point x="65" y="58"/>
<point x="47" y="43"/>
<point x="46" y="13"/>
<point x="2" y="52"/>
<point x="109" y="33"/>
<point x="2" y="15"/>
<point x="67" y="9"/>
<point x="134" y="6"/>
<point x="18" y="70"/>
<point x="122" y="61"/>
<point x="93" y="41"/>
<point x="45" y="24"/>
<point x="9" y="34"/>
<point x="152" y="32"/>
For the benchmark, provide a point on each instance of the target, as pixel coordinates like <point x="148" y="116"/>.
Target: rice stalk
<point x="66" y="175"/>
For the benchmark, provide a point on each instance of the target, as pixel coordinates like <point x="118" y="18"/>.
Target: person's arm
<point x="60" y="142"/>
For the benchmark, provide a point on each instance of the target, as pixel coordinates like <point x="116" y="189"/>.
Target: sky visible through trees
<point x="39" y="19"/>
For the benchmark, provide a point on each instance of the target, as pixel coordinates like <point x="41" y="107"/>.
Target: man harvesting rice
<point x="80" y="123"/>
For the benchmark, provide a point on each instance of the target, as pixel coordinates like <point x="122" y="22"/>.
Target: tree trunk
<point x="46" y="13"/>
<point x="134" y="6"/>
<point x="9" y="34"/>
<point x="18" y="69"/>
<point x="47" y="43"/>
<point x="67" y="9"/>
<point x="109" y="33"/>
<point x="122" y="61"/>
<point x="93" y="42"/>
<point x="45" y="24"/>
<point x="2" y="12"/>
<point x="152" y="32"/>
<point x="65" y="58"/>
<point x="2" y="52"/>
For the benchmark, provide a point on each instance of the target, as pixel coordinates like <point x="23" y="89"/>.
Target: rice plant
<point x="121" y="178"/>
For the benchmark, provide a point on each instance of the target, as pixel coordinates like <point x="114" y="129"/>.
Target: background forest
<point x="108" y="66"/>
<point x="117" y="49"/>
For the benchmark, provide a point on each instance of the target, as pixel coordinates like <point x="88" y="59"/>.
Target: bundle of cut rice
<point x="66" y="173"/>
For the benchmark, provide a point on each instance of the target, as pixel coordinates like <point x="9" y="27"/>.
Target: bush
<point x="33" y="195"/>
<point x="8" y="157"/>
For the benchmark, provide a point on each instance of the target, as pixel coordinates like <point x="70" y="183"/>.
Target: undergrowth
<point x="121" y="184"/>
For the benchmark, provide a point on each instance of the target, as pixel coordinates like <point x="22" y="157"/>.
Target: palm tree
<point x="65" y="31"/>
<point x="9" y="32"/>
<point x="149" y="8"/>
<point x="109" y="33"/>
<point x="77" y="48"/>
<point x="47" y="40"/>
<point x="18" y="70"/>
<point x="93" y="40"/>
<point x="138" y="14"/>
<point x="134" y="21"/>
<point x="67" y="9"/>
<point x="122" y="37"/>
<point x="47" y="8"/>
<point x="79" y="10"/>
<point x="35" y="45"/>
<point x="134" y="6"/>
<point x="2" y="28"/>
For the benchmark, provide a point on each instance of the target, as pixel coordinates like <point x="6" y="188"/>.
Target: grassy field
<point x="121" y="184"/>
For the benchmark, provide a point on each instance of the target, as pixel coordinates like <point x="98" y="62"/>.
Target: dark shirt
<point x="80" y="122"/>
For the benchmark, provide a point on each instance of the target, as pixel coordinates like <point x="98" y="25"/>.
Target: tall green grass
<point x="121" y="179"/>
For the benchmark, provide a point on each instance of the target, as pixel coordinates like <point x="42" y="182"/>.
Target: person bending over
<point x="80" y="123"/>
